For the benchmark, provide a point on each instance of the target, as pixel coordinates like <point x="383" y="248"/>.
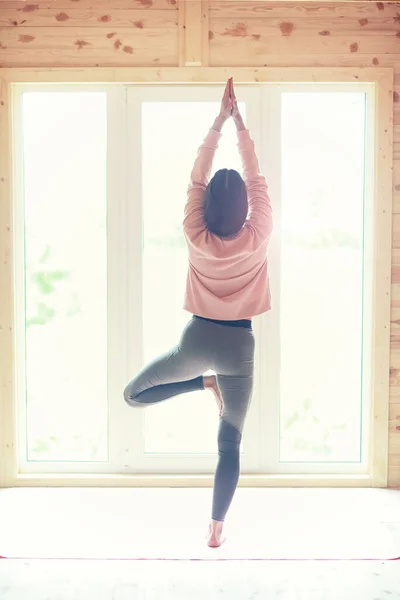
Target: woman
<point x="227" y="226"/>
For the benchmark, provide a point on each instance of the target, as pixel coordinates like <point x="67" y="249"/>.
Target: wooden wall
<point x="97" y="33"/>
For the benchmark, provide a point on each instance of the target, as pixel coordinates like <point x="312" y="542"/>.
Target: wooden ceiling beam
<point x="193" y="33"/>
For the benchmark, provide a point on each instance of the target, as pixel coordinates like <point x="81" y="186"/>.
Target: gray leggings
<point x="204" y="345"/>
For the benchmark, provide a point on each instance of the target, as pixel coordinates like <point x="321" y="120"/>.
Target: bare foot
<point x="215" y="536"/>
<point x="210" y="383"/>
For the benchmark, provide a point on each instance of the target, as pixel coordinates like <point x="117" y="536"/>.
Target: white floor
<point x="216" y="580"/>
<point x="119" y="580"/>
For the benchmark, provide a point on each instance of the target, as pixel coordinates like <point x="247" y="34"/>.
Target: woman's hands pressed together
<point x="237" y="117"/>
<point x="229" y="108"/>
<point x="227" y="101"/>
<point x="226" y="107"/>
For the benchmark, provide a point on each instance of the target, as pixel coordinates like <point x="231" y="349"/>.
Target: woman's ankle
<point x="216" y="526"/>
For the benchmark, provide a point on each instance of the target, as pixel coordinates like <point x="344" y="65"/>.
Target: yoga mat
<point x="157" y="525"/>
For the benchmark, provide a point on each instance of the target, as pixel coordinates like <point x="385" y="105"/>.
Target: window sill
<point x="187" y="481"/>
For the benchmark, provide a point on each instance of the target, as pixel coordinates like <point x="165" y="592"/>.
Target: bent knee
<point x="131" y="398"/>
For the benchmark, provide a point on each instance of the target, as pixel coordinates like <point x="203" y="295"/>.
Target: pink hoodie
<point x="228" y="278"/>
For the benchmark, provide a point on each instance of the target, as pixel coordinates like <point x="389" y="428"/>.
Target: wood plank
<point x="395" y="323"/>
<point x="397" y="77"/>
<point x="394" y="476"/>
<point x="394" y="350"/>
<point x="395" y="354"/>
<point x="395" y="290"/>
<point x="310" y="60"/>
<point x="396" y="232"/>
<point x="254" y="42"/>
<point x="395" y="337"/>
<point x="396" y="277"/>
<point x="93" y="57"/>
<point x="181" y="34"/>
<point x="28" y="7"/>
<point x="276" y="61"/>
<point x="394" y="415"/>
<point x="193" y="33"/>
<point x="396" y="127"/>
<point x="205" y="25"/>
<point x="289" y="5"/>
<point x="394" y="458"/>
<point x="394" y="447"/>
<point x="298" y="53"/>
<point x="193" y="37"/>
<point x="396" y="203"/>
<point x="394" y="426"/>
<point x="396" y="176"/>
<point x="394" y="435"/>
<point x="394" y="394"/>
<point x="396" y="261"/>
<point x="98" y="17"/>
<point x="53" y="46"/>
<point x="382" y="278"/>
<point x="328" y="28"/>
<point x="291" y="10"/>
<point x="204" y="75"/>
<point x="395" y="320"/>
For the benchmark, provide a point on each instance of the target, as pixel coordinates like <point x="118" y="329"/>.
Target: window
<point x="321" y="275"/>
<point x="100" y="277"/>
<point x="63" y="312"/>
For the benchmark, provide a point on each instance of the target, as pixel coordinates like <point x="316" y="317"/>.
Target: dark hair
<point x="225" y="203"/>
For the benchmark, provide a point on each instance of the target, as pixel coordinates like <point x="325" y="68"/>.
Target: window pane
<point x="64" y="151"/>
<point x="323" y="148"/>
<point x="168" y="155"/>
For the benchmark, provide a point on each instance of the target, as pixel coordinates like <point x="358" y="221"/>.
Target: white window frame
<point x="382" y="79"/>
<point x="269" y="411"/>
<point x="116" y="175"/>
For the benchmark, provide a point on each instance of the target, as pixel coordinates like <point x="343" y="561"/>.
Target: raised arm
<point x="260" y="217"/>
<point x="194" y="213"/>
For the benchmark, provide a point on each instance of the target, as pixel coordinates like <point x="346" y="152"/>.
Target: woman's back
<point x="228" y="277"/>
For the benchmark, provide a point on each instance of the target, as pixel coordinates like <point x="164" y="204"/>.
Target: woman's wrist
<point x="240" y="126"/>
<point x="218" y="123"/>
<point x="220" y="120"/>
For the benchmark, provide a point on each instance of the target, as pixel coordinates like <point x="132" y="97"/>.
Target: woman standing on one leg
<point x="227" y="226"/>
